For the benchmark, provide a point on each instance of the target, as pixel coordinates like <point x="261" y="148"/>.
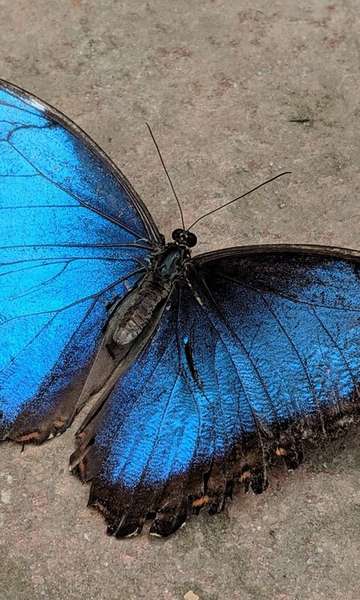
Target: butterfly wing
<point x="265" y="341"/>
<point x="74" y="238"/>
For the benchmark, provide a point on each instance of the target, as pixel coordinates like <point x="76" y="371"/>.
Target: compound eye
<point x="177" y="235"/>
<point x="182" y="236"/>
<point x="190" y="239"/>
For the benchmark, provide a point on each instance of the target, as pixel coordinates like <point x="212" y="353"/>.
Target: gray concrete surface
<point x="220" y="82"/>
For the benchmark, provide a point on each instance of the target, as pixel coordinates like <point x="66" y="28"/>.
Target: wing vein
<point x="77" y="302"/>
<point x="84" y="204"/>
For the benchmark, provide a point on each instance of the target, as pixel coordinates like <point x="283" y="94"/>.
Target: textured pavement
<point x="222" y="84"/>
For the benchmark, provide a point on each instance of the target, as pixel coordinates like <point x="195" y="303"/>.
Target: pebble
<point x="5" y="496"/>
<point x="191" y="596"/>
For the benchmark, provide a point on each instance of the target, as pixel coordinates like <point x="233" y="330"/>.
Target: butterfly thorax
<point x="132" y="316"/>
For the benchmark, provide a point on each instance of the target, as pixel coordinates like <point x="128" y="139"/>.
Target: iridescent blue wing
<point x="260" y="351"/>
<point x="74" y="237"/>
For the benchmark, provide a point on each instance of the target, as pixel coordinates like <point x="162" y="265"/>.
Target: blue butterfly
<point x="202" y="370"/>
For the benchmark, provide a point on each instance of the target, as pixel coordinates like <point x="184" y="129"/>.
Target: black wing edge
<point x="57" y="116"/>
<point x="330" y="251"/>
<point x="209" y="487"/>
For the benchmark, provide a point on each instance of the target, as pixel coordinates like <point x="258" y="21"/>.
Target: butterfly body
<point x="202" y="370"/>
<point x="133" y="315"/>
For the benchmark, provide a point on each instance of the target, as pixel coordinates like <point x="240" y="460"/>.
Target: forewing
<point x="261" y="351"/>
<point x="74" y="238"/>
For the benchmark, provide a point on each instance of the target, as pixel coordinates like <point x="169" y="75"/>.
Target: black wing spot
<point x="190" y="361"/>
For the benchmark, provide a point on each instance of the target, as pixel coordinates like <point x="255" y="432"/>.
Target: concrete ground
<point x="222" y="84"/>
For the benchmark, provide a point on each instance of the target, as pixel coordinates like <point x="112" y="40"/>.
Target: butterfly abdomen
<point x="147" y="299"/>
<point x="139" y="309"/>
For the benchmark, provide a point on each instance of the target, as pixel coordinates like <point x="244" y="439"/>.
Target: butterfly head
<point x="183" y="237"/>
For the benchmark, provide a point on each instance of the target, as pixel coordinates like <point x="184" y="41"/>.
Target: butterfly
<point x="202" y="370"/>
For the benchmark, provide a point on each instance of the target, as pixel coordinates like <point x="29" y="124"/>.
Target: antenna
<point x="238" y="198"/>
<point x="167" y="174"/>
